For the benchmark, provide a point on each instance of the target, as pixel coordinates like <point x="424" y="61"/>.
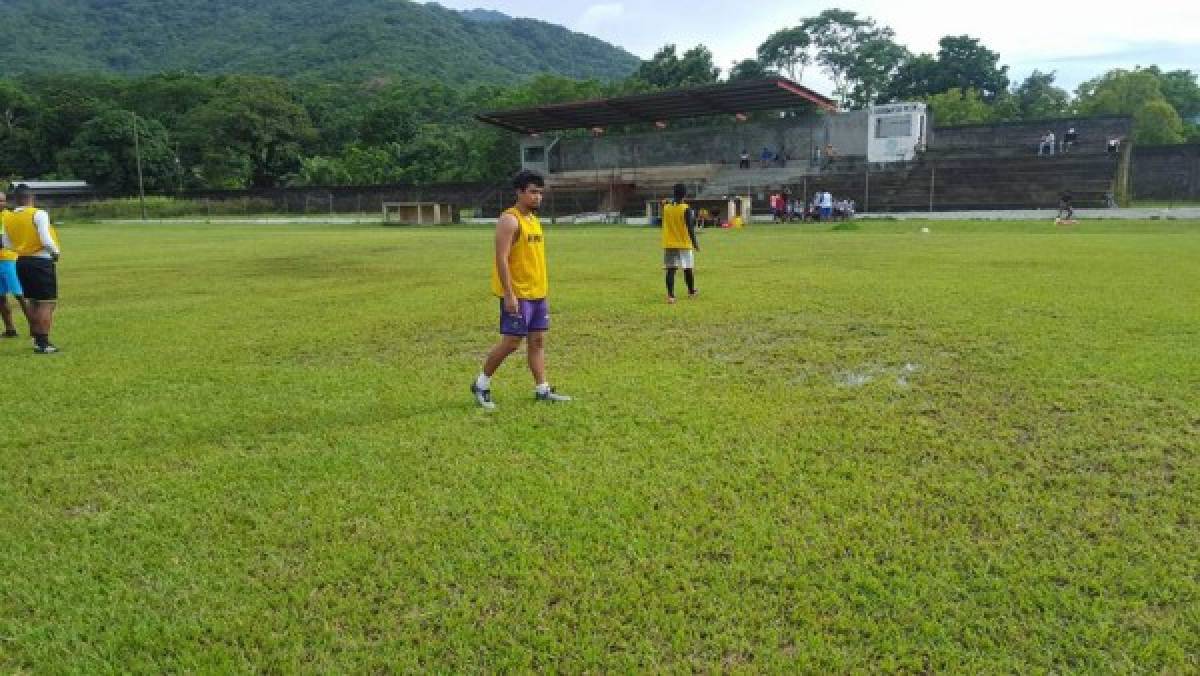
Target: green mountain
<point x="307" y="39"/>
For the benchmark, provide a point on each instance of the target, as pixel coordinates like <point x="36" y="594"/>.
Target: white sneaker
<point x="550" y="395"/>
<point x="483" y="398"/>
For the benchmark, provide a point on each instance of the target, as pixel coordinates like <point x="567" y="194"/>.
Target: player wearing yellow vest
<point x="9" y="283"/>
<point x="28" y="233"/>
<point x="521" y="282"/>
<point x="679" y="242"/>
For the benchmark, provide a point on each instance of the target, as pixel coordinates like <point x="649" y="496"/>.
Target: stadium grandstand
<point x="749" y="139"/>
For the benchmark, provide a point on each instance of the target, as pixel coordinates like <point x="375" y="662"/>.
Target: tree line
<point x="236" y="131"/>
<point x="965" y="83"/>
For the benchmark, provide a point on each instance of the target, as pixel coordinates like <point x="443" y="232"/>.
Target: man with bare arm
<point x="28" y="233"/>
<point x="521" y="282"/>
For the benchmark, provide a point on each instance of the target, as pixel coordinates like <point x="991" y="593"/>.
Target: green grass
<point x="872" y="450"/>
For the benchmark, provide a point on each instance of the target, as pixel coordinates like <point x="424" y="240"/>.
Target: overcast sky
<point x="1078" y="40"/>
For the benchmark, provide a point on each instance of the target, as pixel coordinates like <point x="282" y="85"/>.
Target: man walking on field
<point x="521" y="282"/>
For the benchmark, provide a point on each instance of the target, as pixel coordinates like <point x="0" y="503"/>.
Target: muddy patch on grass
<point x="812" y="348"/>
<point x="900" y="375"/>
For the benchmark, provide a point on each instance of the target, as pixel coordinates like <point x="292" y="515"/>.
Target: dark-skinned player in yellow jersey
<point x="679" y="242"/>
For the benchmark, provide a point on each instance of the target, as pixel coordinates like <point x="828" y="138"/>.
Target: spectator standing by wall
<point x="1070" y="139"/>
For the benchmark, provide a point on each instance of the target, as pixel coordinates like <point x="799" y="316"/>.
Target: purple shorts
<point x="532" y="315"/>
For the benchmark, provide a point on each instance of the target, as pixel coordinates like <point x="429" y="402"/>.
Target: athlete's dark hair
<point x="526" y="178"/>
<point x="21" y="192"/>
<point x="680" y="191"/>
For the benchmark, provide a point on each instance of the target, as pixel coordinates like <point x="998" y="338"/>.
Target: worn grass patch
<point x="873" y="450"/>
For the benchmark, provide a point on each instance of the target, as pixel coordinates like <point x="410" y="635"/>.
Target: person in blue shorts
<point x="10" y="284"/>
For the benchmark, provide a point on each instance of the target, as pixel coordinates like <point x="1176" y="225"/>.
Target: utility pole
<point x="137" y="150"/>
<point x="179" y="168"/>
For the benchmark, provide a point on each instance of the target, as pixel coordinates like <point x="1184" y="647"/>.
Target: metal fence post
<point x="867" y="191"/>
<point x="932" y="183"/>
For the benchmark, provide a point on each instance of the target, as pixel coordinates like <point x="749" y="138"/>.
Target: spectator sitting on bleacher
<point x="1070" y="139"/>
<point x="1114" y="146"/>
<point x="1047" y="145"/>
<point x="744" y="160"/>
<point x="765" y="157"/>
<point x="831" y="155"/>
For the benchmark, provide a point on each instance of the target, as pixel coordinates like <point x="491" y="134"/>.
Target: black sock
<point x="42" y="339"/>
<point x="671" y="282"/>
<point x="690" y="277"/>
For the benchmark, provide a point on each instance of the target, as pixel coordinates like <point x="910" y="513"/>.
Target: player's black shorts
<point x="39" y="277"/>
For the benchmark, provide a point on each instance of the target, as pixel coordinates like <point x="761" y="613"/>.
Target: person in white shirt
<point x="28" y="233"/>
<point x="826" y="206"/>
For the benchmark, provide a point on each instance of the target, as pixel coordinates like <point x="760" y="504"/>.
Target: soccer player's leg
<point x="39" y="280"/>
<point x="537" y="315"/>
<point x="689" y="272"/>
<point x="10" y="285"/>
<point x="10" y="329"/>
<point x="513" y="330"/>
<point x="671" y="264"/>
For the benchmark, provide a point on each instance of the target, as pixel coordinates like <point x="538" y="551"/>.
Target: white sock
<point x="483" y="382"/>
<point x="543" y="388"/>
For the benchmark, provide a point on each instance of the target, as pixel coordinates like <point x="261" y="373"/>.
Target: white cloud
<point x="598" y="15"/>
<point x="1078" y="39"/>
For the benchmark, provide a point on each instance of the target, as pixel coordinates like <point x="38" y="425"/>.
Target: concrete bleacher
<point x="1094" y="132"/>
<point x="625" y="189"/>
<point x="995" y="183"/>
<point x="993" y="166"/>
<point x="639" y="176"/>
<point x="977" y="182"/>
<point x="971" y="167"/>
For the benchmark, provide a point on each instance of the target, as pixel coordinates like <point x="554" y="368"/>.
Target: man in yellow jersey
<point x="521" y="282"/>
<point x="10" y="285"/>
<point x="28" y="232"/>
<point x="679" y="242"/>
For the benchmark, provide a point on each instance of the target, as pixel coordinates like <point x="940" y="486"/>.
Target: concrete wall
<point x="721" y="144"/>
<point x="1094" y="133"/>
<point x="351" y="199"/>
<point x="1166" y="172"/>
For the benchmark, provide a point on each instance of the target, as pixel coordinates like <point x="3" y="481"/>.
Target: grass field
<point x="860" y="450"/>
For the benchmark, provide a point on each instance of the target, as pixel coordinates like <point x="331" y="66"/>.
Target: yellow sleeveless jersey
<point x="674" y="227"/>
<point x="526" y="261"/>
<point x="6" y="254"/>
<point x="22" y="232"/>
